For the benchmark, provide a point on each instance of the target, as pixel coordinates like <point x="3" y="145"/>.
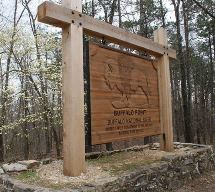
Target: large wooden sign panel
<point x="124" y="96"/>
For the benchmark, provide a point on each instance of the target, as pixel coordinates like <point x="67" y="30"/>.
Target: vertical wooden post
<point x="73" y="96"/>
<point x="160" y="36"/>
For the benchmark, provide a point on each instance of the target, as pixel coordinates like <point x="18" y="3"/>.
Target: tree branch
<point x="204" y="9"/>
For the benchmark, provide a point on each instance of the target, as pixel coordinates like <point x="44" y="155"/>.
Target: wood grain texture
<point x="124" y="96"/>
<point x="165" y="93"/>
<point x="59" y="16"/>
<point x="73" y="97"/>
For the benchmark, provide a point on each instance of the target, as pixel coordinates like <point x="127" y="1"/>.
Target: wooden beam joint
<point x="60" y="16"/>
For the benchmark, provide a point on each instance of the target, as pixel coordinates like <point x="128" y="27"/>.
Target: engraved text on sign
<point x="124" y="96"/>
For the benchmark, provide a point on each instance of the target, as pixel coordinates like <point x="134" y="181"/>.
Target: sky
<point x="8" y="6"/>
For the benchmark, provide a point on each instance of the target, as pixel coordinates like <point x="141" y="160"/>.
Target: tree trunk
<point x="162" y="14"/>
<point x="187" y="66"/>
<point x="187" y="124"/>
<point x="211" y="86"/>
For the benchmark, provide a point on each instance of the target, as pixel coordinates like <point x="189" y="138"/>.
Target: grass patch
<point x="108" y="159"/>
<point x="131" y="166"/>
<point x="121" y="162"/>
<point x="27" y="176"/>
<point x="31" y="177"/>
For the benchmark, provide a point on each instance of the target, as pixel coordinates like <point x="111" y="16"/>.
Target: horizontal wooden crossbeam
<point x="60" y="16"/>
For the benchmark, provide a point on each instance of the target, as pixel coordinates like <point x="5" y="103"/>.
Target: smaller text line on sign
<point x="124" y="96"/>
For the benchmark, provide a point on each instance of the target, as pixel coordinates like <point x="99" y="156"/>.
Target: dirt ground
<point x="205" y="183"/>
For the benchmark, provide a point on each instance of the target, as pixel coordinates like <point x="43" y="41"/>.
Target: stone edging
<point x="168" y="174"/>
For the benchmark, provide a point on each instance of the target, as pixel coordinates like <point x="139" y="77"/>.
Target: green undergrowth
<point x="31" y="177"/>
<point x="115" y="170"/>
<point x="27" y="176"/>
<point x="121" y="162"/>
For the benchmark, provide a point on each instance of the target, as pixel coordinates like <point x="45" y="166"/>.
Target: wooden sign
<point x="124" y="88"/>
<point x="124" y="96"/>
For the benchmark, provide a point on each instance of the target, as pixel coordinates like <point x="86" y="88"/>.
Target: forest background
<point x="31" y="70"/>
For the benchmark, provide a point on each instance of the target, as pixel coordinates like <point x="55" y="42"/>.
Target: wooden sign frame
<point x="70" y="18"/>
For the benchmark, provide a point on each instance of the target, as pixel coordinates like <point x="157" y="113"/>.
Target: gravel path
<point x="53" y="173"/>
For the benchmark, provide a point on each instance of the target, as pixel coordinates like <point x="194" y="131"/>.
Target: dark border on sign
<point x="87" y="97"/>
<point x="121" y="51"/>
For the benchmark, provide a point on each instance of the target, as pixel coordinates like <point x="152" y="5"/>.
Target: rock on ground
<point x="14" y="167"/>
<point x="1" y="171"/>
<point x="30" y="163"/>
